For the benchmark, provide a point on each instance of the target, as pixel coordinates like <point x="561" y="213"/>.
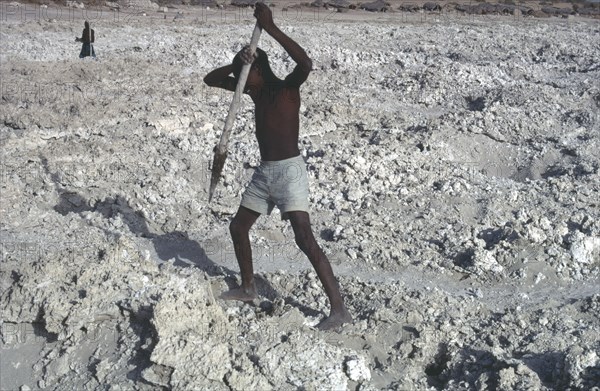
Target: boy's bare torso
<point x="277" y="120"/>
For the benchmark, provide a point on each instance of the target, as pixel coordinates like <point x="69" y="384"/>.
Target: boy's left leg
<point x="239" y="229"/>
<point x="305" y="239"/>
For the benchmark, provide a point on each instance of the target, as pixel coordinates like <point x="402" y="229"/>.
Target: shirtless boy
<point x="281" y="179"/>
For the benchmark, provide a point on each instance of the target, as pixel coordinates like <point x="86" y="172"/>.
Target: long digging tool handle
<point x="221" y="149"/>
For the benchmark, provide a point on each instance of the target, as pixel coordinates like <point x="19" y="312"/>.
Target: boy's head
<point x="260" y="67"/>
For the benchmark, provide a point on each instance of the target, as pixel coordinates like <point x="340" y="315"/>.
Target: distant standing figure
<point x="87" y="37"/>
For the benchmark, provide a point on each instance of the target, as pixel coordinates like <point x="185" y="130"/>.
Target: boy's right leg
<point x="239" y="228"/>
<point x="305" y="239"/>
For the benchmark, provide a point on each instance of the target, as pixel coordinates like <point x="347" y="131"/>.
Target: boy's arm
<point x="304" y="64"/>
<point x="220" y="78"/>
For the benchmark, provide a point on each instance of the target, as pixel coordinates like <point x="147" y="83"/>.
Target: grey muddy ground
<point x="454" y="181"/>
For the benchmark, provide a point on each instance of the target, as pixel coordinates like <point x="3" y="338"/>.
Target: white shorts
<point x="281" y="183"/>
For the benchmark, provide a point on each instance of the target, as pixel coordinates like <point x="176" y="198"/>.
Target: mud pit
<point x="454" y="186"/>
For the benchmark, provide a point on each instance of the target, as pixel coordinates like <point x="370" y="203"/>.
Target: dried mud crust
<point x="454" y="181"/>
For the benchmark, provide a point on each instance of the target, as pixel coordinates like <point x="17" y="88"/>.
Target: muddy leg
<point x="307" y="243"/>
<point x="239" y="228"/>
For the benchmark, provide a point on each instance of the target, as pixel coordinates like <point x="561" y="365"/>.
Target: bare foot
<point x="334" y="321"/>
<point x="239" y="294"/>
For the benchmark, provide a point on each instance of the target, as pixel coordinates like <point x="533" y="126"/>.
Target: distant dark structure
<point x="243" y="3"/>
<point x="376" y="6"/>
<point x="432" y="6"/>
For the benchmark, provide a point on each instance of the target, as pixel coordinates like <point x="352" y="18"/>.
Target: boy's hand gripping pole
<point x="221" y="148"/>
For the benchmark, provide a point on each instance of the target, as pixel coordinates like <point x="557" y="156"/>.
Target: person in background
<point x="87" y="37"/>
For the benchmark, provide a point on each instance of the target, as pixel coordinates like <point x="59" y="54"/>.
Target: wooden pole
<point x="221" y="148"/>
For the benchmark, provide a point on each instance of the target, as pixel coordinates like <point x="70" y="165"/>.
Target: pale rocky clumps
<point x="454" y="186"/>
